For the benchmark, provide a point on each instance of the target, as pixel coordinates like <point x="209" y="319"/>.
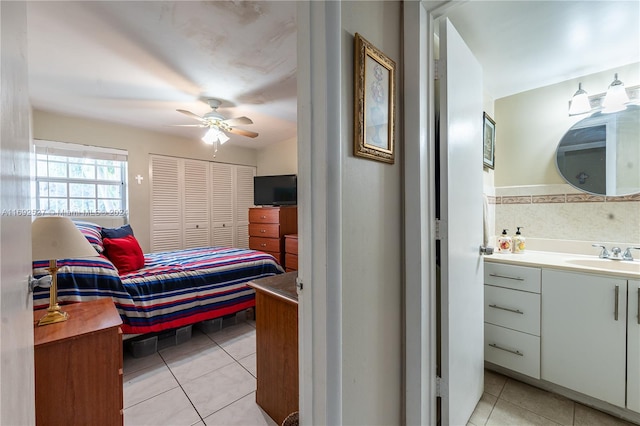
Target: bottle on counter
<point x="504" y="242"/>
<point x="518" y="241"/>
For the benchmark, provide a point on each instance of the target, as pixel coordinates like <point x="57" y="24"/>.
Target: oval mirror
<point x="600" y="154"/>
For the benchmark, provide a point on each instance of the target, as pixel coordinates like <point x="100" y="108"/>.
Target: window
<point x="78" y="180"/>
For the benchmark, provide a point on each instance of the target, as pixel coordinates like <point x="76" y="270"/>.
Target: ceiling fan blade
<point x="246" y="133"/>
<point x="237" y="121"/>
<point x="188" y="125"/>
<point x="192" y="115"/>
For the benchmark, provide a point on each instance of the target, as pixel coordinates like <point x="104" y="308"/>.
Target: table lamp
<point x="52" y="238"/>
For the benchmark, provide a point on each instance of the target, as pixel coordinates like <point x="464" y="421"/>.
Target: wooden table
<point x="277" y="344"/>
<point x="78" y="366"/>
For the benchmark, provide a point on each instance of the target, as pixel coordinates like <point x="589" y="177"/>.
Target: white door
<point x="222" y="205"/>
<point x="633" y="346"/>
<point x="166" y="204"/>
<point x="584" y="337"/>
<point x="196" y="204"/>
<point x="17" y="388"/>
<point x="462" y="356"/>
<point x="244" y="200"/>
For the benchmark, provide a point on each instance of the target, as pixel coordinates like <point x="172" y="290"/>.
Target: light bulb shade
<point x="56" y="237"/>
<point x="223" y="138"/>
<point x="616" y="97"/>
<point x="580" y="102"/>
<point x="211" y="135"/>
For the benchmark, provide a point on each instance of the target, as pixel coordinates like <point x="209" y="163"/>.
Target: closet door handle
<point x="615" y="315"/>
<point x="638" y="305"/>
<point x="515" y="311"/>
<point x="509" y="278"/>
<point x="493" y="345"/>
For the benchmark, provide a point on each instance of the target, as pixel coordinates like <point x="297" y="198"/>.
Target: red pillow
<point x="125" y="253"/>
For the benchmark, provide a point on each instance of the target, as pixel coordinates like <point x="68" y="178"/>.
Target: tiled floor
<point x="208" y="380"/>
<point x="211" y="380"/>
<point x="509" y="402"/>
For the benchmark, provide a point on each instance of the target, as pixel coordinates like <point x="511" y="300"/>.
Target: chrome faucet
<point x="627" y="253"/>
<point x="604" y="254"/>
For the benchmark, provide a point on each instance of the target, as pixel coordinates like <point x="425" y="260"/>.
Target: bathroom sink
<point x="608" y="264"/>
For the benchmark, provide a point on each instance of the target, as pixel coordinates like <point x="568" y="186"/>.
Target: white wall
<point x="372" y="281"/>
<point x="278" y="159"/>
<point x="139" y="143"/>
<point x="17" y="388"/>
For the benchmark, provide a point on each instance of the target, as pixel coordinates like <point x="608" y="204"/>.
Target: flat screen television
<point x="280" y="190"/>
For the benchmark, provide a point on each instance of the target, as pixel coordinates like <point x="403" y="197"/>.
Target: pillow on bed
<point x="125" y="253"/>
<point x="123" y="231"/>
<point x="91" y="232"/>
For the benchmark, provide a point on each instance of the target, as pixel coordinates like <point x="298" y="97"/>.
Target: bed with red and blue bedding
<point x="173" y="289"/>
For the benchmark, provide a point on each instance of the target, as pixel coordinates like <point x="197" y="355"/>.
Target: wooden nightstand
<point x="78" y="366"/>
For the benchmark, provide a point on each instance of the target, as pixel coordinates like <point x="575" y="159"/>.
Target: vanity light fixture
<point x="616" y="97"/>
<point x="580" y="102"/>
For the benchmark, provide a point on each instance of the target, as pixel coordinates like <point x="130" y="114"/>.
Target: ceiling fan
<point x="218" y="125"/>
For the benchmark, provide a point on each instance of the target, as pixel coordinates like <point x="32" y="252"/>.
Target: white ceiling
<point x="137" y="62"/>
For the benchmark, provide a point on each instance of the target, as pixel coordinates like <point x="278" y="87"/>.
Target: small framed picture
<point x="374" y="109"/>
<point x="489" y="138"/>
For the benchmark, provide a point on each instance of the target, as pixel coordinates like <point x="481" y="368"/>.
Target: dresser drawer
<point x="512" y="349"/>
<point x="264" y="244"/>
<point x="511" y="276"/>
<point x="291" y="261"/>
<point x="291" y="244"/>
<point x="518" y="310"/>
<point x="264" y="215"/>
<point x="266" y="230"/>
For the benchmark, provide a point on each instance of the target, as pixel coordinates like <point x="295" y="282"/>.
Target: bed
<point x="173" y="289"/>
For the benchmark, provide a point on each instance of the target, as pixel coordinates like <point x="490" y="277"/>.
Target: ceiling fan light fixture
<point x="616" y="97"/>
<point x="211" y="136"/>
<point x="222" y="138"/>
<point x="580" y="102"/>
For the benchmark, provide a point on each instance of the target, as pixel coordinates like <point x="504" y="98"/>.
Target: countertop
<point x="281" y="285"/>
<point x="570" y="262"/>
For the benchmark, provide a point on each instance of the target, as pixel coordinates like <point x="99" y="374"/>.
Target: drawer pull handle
<point x="615" y="315"/>
<point x="263" y="245"/>
<point x="509" y="278"/>
<point x="262" y="231"/>
<point x="263" y="217"/>
<point x="493" y="345"/>
<point x="515" y="311"/>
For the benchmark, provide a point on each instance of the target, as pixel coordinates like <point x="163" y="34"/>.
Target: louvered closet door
<point x="243" y="201"/>
<point x="222" y="205"/>
<point x="196" y="204"/>
<point x="166" y="207"/>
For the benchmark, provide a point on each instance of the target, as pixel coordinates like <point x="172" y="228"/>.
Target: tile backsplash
<point x="549" y="213"/>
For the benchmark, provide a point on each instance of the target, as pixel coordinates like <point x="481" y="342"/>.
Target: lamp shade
<point x="580" y="102"/>
<point x="616" y="97"/>
<point x="56" y="237"/>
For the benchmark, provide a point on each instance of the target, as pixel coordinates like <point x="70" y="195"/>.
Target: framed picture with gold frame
<point x="374" y="103"/>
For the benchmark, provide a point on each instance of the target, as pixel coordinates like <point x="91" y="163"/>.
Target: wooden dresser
<point x="277" y="344"/>
<point x="291" y="252"/>
<point x="268" y="226"/>
<point x="78" y="366"/>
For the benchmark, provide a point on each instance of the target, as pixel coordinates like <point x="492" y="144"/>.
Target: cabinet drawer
<point x="512" y="349"/>
<point x="291" y="261"/>
<point x="264" y="215"/>
<point x="264" y="244"/>
<point x="277" y="256"/>
<point x="266" y="230"/>
<point x="510" y="276"/>
<point x="518" y="310"/>
<point x="291" y="244"/>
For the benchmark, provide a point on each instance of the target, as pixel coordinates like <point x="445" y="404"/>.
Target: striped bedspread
<point x="174" y="289"/>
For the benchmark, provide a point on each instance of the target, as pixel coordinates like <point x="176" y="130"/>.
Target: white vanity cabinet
<point x="512" y="317"/>
<point x="633" y="346"/>
<point x="584" y="325"/>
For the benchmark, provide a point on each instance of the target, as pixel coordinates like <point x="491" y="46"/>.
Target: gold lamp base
<point x="54" y="313"/>
<point x="53" y="317"/>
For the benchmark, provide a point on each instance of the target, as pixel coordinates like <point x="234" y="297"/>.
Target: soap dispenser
<point x="504" y="242"/>
<point x="518" y="241"/>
